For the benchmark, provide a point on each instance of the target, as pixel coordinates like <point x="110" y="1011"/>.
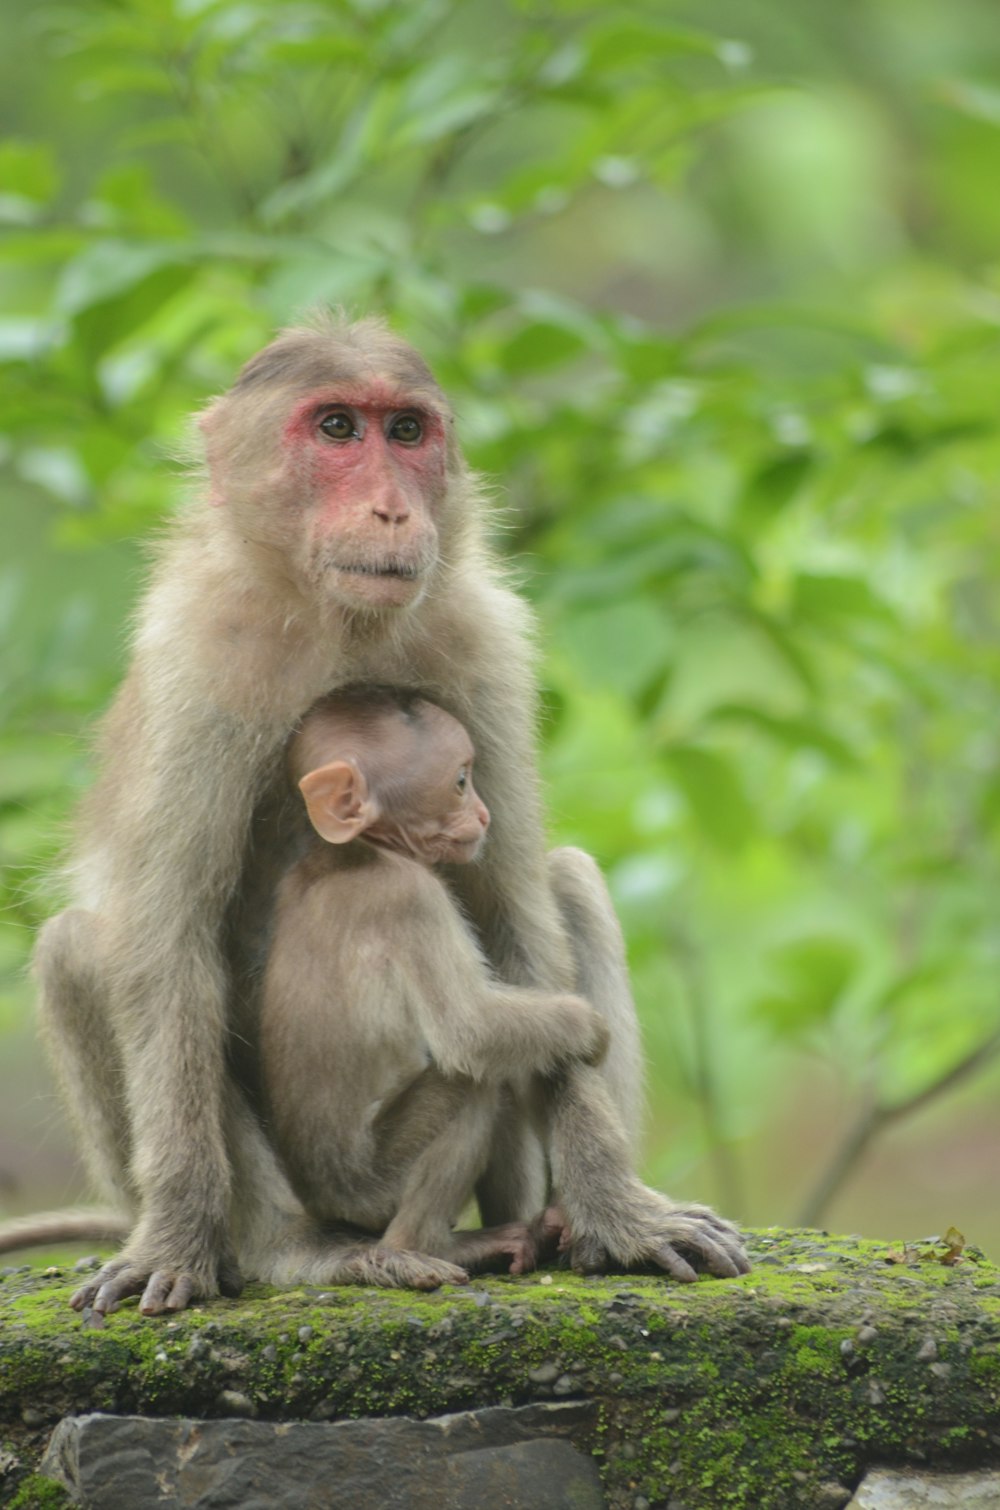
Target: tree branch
<point x="874" y="1117"/>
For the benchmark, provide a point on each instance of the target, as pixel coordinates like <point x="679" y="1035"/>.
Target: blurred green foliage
<point x="714" y="288"/>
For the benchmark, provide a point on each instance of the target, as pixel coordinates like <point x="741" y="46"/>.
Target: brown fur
<point x="384" y="1041"/>
<point x="147" y="1002"/>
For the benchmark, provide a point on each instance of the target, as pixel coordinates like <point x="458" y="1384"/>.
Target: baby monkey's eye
<point x="463" y="779"/>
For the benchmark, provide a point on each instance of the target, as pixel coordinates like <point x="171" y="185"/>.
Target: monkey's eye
<point x="338" y="426"/>
<point x="407" y="429"/>
<point x="463" y="779"/>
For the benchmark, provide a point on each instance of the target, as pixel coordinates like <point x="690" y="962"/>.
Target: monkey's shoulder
<point x="358" y="884"/>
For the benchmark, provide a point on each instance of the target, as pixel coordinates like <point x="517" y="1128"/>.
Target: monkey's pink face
<point x="369" y="465"/>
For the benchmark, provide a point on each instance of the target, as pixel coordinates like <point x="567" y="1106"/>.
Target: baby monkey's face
<point x="430" y="808"/>
<point x="398" y="775"/>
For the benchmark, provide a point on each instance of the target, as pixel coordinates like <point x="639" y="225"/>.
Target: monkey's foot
<point x="647" y="1230"/>
<point x="167" y="1289"/>
<point x="513" y="1242"/>
<point x="396" y="1268"/>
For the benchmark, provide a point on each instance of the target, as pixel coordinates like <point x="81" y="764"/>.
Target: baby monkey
<point x="386" y="1042"/>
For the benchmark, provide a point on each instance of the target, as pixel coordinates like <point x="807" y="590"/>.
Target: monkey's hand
<point x="166" y="1289"/>
<point x="600" y="1037"/>
<point x="647" y="1230"/>
<point x="585" y="1031"/>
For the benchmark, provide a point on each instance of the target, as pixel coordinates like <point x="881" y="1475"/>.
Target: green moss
<point x="722" y="1395"/>
<point x="818" y="1349"/>
<point x="984" y="1365"/>
<point x="38" y="1493"/>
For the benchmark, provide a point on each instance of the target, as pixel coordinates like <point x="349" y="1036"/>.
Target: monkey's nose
<point x="391" y="508"/>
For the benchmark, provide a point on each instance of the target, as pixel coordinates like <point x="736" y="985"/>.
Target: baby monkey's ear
<point x="338" y="801"/>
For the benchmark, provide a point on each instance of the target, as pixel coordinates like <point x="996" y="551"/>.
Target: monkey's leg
<point x="602" y="975"/>
<point x="611" y="1218"/>
<point x="313" y="1255"/>
<point x="76" y="1028"/>
<point x="440" y="1131"/>
<point x="277" y="1242"/>
<point x="441" y="1176"/>
<point x="514" y="1185"/>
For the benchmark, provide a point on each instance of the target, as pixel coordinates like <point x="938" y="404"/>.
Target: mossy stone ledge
<point x="835" y="1355"/>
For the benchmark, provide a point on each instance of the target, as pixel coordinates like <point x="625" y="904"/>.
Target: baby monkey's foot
<point x="511" y="1246"/>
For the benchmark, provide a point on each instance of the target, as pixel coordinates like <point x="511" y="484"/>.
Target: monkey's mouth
<point x="458" y="851"/>
<point x="386" y="582"/>
<point x="402" y="571"/>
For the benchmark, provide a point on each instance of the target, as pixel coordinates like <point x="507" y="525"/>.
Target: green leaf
<point x="831" y="597"/>
<point x="898" y="993"/>
<point x="616" y="42"/>
<point x="147" y="80"/>
<point x="714" y="794"/>
<point x="127" y="200"/>
<point x="811" y="975"/>
<point x="625" y="645"/>
<point x="28" y="170"/>
<point x="539" y="346"/>
<point x="114" y="287"/>
<point x="353" y="145"/>
<point x="448" y="116"/>
<point x="775" y="485"/>
<point x="107" y="269"/>
<point x="795" y="733"/>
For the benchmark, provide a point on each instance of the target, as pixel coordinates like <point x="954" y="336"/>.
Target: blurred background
<point x="715" y="286"/>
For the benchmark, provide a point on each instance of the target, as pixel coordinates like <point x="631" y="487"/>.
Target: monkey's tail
<point x="95" y="1226"/>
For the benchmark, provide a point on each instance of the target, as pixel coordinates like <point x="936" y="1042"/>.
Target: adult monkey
<point x="341" y="541"/>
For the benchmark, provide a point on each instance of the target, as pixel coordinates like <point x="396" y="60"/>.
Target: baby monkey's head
<point x="392" y="768"/>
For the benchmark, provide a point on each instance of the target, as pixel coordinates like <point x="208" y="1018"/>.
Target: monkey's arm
<point x="507" y="894"/>
<point x="476" y="1026"/>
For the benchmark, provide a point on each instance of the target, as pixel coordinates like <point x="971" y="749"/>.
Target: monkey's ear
<point x="338" y="801"/>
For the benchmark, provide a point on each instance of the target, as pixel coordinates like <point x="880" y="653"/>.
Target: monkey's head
<point x="333" y="456"/>
<point x="393" y="769"/>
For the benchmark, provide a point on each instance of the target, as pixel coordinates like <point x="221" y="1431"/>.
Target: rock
<point x="890" y="1490"/>
<point x="830" y="1496"/>
<point x="516" y="1458"/>
<point x="236" y="1404"/>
